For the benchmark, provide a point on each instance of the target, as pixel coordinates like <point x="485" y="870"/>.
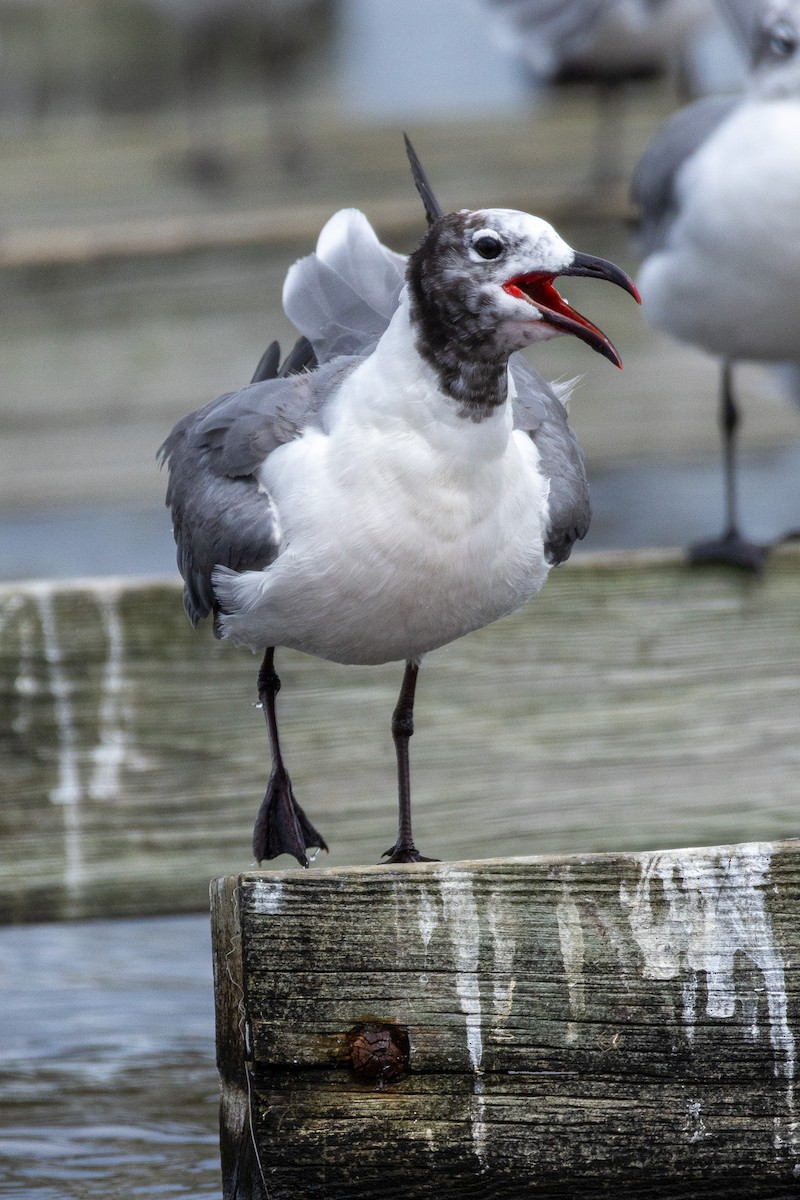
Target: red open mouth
<point x="537" y="289"/>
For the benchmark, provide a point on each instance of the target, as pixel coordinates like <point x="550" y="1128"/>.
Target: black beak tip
<point x="600" y="268"/>
<point x="610" y="352"/>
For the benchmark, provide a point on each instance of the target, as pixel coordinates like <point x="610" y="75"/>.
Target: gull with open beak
<point x="404" y="477"/>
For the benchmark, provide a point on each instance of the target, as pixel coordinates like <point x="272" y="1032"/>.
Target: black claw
<point x="405" y="854"/>
<point x="731" y="549"/>
<point x="281" y="825"/>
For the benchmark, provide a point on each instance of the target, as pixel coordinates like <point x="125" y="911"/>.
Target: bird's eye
<point x="488" y="245"/>
<point x="783" y="40"/>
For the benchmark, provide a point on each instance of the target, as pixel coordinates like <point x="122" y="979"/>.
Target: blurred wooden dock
<point x="132" y="295"/>
<point x="637" y="703"/>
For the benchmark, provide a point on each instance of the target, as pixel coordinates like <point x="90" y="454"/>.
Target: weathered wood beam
<point x="579" y="1026"/>
<point x="636" y="703"/>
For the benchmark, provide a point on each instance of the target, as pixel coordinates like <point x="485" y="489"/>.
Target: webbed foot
<point x="405" y="853"/>
<point x="281" y="825"/>
<point x="731" y="549"/>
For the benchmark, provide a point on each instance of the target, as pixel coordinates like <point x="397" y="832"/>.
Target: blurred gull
<point x="609" y="43"/>
<point x="281" y="33"/>
<point x="403" y="479"/>
<point x="718" y="189"/>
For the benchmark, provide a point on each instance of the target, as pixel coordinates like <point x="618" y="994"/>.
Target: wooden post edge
<point x="553" y="1026"/>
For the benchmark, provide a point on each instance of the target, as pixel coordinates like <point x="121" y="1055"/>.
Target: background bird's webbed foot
<point x="281" y="825"/>
<point x="731" y="549"/>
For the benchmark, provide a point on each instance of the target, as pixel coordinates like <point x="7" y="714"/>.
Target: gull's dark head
<point x="481" y="286"/>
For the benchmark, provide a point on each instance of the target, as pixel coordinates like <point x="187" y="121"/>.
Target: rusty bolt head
<point x="379" y="1051"/>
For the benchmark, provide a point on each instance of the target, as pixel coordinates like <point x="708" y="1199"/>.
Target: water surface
<point x="108" y="1085"/>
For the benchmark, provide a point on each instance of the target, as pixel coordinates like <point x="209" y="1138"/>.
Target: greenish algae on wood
<point x="634" y="703"/>
<point x="579" y="1026"/>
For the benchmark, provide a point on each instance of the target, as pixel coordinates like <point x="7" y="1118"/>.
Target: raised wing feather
<point x="343" y="296"/>
<point x="541" y="414"/>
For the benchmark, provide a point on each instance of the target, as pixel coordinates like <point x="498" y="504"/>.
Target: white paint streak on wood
<point x="461" y="914"/>
<point x="570" y="936"/>
<point x="268" y="897"/>
<point x="11" y="605"/>
<point x="26" y="685"/>
<point x="504" y="945"/>
<point x="112" y="750"/>
<point x="711" y="906"/>
<point x="428" y="920"/>
<point x="695" y="1127"/>
<point x="68" y="792"/>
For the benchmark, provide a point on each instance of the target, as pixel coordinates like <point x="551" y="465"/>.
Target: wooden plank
<point x="569" y="1026"/>
<point x="538" y="161"/>
<point x="635" y="703"/>
<point x="172" y="310"/>
<point x="58" y="246"/>
<point x="237" y="1146"/>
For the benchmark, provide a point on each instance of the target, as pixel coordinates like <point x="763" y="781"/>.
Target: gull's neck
<point x="462" y="351"/>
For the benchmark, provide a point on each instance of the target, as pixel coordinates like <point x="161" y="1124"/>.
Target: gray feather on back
<point x="653" y="184"/>
<point x="539" y="412"/>
<point x="220" y="515"/>
<point x="741" y="17"/>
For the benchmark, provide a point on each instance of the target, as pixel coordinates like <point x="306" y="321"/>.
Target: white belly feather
<point x="405" y="526"/>
<point x="728" y="277"/>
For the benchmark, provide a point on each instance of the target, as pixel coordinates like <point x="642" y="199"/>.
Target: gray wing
<point x="742" y="18"/>
<point x="653" y="184"/>
<point x="540" y="413"/>
<point x="219" y="514"/>
<point x="341" y="298"/>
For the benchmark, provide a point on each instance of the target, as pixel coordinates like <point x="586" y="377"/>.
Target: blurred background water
<point x="107" y="1078"/>
<point x="163" y="162"/>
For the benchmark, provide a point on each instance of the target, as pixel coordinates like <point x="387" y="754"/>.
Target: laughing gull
<point x="404" y="477"/>
<point x="719" y="193"/>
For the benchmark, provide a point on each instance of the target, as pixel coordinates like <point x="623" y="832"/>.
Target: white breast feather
<point x="404" y="527"/>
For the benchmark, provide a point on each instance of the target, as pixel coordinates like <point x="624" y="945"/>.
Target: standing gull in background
<point x="403" y="479"/>
<point x="718" y="189"/>
<point x="610" y="44"/>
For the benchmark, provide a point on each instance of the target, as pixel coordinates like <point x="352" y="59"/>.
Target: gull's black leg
<point x="281" y="825"/>
<point x="731" y="547"/>
<point x="404" y="850"/>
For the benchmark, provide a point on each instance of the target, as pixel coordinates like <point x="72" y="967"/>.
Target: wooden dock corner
<point x="567" y="1026"/>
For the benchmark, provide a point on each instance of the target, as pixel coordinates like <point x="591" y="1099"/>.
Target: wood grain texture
<point x="635" y="704"/>
<point x="577" y="1026"/>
